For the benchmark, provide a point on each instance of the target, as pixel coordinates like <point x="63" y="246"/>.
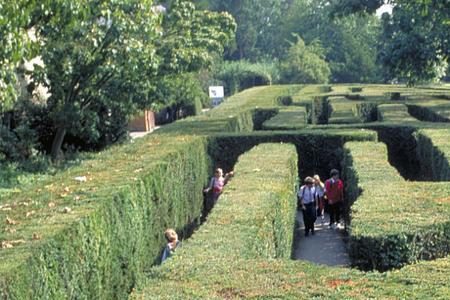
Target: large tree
<point x="416" y="36"/>
<point x="102" y="57"/>
<point x="258" y="24"/>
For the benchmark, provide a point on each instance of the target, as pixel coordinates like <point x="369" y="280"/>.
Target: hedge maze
<point x="100" y="238"/>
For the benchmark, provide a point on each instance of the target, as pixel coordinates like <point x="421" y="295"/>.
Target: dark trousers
<point x="309" y="217"/>
<point x="335" y="212"/>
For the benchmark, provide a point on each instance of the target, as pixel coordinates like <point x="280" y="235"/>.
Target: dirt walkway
<point x="325" y="247"/>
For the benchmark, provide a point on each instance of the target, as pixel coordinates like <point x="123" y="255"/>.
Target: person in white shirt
<point x="307" y="201"/>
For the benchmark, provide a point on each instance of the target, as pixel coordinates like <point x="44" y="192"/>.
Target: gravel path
<point x="325" y="247"/>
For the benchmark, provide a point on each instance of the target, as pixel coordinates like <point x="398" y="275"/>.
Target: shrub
<point x="424" y="113"/>
<point x="394" y="113"/>
<point x="115" y="229"/>
<point x="287" y="119"/>
<point x="394" y="230"/>
<point x="240" y="75"/>
<point x="304" y="64"/>
<point x="433" y="149"/>
<point x="367" y="112"/>
<point x="320" y="110"/>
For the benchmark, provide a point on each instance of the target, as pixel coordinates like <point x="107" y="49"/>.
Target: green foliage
<point x="304" y="64"/>
<point x="241" y="75"/>
<point x="367" y="112"/>
<point x="287" y="119"/>
<point x="394" y="113"/>
<point x="101" y="61"/>
<point x="399" y="226"/>
<point x="321" y="110"/>
<point x="415" y="44"/>
<point x="89" y="252"/>
<point x="246" y="232"/>
<point x="433" y="151"/>
<point x="16" y="46"/>
<point x="182" y="92"/>
<point x="258" y="26"/>
<point x="427" y="111"/>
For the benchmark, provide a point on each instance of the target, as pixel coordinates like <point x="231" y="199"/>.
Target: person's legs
<point x="305" y="221"/>
<point x="338" y="212"/>
<point x="332" y="213"/>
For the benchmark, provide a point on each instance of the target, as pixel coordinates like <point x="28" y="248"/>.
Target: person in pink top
<point x="217" y="183"/>
<point x="334" y="191"/>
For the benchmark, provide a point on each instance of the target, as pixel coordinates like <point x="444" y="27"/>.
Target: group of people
<point x="216" y="184"/>
<point x="314" y="196"/>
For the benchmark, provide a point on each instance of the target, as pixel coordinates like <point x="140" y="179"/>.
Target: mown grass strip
<point x="394" y="222"/>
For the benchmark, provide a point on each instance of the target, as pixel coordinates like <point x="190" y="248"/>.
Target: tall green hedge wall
<point x="114" y="230"/>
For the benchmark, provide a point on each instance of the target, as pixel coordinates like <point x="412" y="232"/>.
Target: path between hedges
<point x="325" y="247"/>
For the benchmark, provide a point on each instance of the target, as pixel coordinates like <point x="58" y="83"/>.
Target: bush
<point x="394" y="113"/>
<point x="367" y="112"/>
<point x="320" y="110"/>
<point x="433" y="149"/>
<point x="115" y="228"/>
<point x="401" y="228"/>
<point x="288" y="119"/>
<point x="240" y="75"/>
<point x="427" y="114"/>
<point x="304" y="65"/>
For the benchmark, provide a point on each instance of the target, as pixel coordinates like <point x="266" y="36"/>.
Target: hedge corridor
<point x="98" y="238"/>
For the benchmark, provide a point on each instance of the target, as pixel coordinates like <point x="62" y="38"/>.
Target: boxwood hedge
<point x="433" y="149"/>
<point x="393" y="222"/>
<point x="93" y="237"/>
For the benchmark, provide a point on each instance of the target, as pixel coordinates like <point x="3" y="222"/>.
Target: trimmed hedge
<point x="394" y="113"/>
<point x="393" y="222"/>
<point x="430" y="112"/>
<point x="367" y="112"/>
<point x="287" y="119"/>
<point x="253" y="218"/>
<point x="219" y="261"/>
<point x="114" y="229"/>
<point x="433" y="149"/>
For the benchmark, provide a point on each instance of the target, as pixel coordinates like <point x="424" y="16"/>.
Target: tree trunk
<point x="57" y="143"/>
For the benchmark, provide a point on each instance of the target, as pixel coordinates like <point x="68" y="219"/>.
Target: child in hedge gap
<point x="334" y="191"/>
<point x="172" y="243"/>
<point x="218" y="181"/>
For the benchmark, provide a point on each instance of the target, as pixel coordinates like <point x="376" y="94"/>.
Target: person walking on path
<point x="172" y="243"/>
<point x="334" y="191"/>
<point x="218" y="181"/>
<point x="320" y="191"/>
<point x="307" y="199"/>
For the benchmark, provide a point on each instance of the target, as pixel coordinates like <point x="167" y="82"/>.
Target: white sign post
<point x="216" y="94"/>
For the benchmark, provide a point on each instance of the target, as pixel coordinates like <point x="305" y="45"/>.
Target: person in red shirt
<point x="334" y="191"/>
